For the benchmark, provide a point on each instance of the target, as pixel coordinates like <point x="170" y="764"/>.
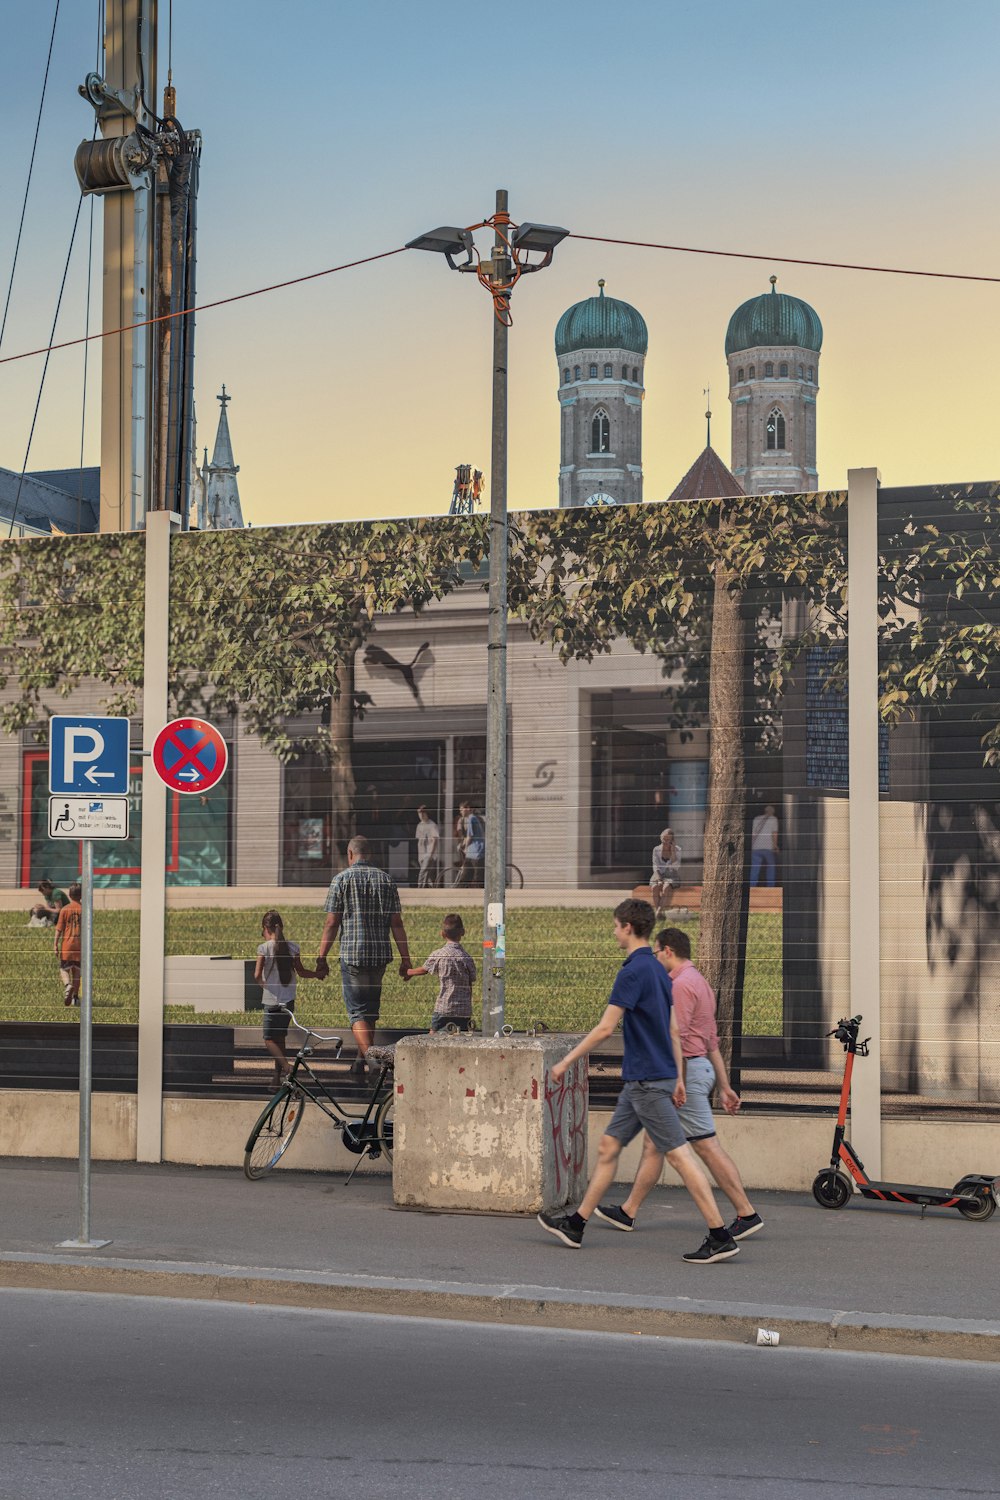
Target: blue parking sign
<point x="88" y="754"/>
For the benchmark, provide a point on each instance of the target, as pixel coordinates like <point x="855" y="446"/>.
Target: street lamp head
<point x="447" y="241"/>
<point x="543" y="237"/>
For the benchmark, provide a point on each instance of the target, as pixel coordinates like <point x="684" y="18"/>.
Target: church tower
<point x="601" y="349"/>
<point x="772" y="345"/>
<point x="217" y="506"/>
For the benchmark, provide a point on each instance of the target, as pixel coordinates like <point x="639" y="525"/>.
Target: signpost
<point x="190" y="755"/>
<point x="88" y="772"/>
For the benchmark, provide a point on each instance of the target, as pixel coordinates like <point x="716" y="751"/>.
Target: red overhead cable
<point x="787" y="260"/>
<point x="601" y="239"/>
<point x="183" y="312"/>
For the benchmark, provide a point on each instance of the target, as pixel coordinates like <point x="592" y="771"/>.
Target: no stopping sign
<point x="190" y="755"/>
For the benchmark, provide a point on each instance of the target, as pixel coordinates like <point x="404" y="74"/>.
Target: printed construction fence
<point x="671" y="666"/>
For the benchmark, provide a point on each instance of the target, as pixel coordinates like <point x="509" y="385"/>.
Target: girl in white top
<point x="278" y="963"/>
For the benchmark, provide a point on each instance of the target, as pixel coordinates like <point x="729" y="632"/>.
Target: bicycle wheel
<point x="515" y="880"/>
<point x="272" y="1135"/>
<point x="383" y="1123"/>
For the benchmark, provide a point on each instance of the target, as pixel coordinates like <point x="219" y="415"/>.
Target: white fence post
<point x="863" y="808"/>
<point x="160" y="525"/>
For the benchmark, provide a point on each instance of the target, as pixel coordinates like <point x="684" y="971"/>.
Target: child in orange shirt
<point x="67" y="945"/>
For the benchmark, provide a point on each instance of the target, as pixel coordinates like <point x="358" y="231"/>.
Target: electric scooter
<point x="975" y="1197"/>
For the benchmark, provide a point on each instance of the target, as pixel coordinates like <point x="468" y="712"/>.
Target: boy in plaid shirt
<point x="456" y="972"/>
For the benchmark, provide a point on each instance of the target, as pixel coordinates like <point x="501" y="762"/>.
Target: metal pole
<point x="863" y="805"/>
<point x="495" y="866"/>
<point x="86" y="1047"/>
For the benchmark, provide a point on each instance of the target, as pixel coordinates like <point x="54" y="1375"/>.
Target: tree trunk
<point x="342" y="785"/>
<point x="723" y="929"/>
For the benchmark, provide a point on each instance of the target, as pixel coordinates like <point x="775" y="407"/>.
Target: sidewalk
<point x="864" y="1278"/>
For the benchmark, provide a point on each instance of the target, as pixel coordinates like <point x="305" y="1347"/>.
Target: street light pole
<point x="495" y="864"/>
<point x="513" y="246"/>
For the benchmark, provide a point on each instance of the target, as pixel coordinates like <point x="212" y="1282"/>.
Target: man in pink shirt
<point x="694" y="1005"/>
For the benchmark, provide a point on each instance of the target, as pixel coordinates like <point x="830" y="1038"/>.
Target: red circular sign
<point x="190" y="755"/>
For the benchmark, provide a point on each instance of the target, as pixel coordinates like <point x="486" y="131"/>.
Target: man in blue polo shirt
<point x="652" y="1084"/>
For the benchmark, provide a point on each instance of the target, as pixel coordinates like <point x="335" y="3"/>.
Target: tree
<point x="649" y="574"/>
<point x="267" y="622"/>
<point x="270" y="622"/>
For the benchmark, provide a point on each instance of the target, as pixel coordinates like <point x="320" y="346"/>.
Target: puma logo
<point x="377" y="656"/>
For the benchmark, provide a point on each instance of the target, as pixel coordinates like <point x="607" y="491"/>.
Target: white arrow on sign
<point x="189" y="775"/>
<point x="93" y="775"/>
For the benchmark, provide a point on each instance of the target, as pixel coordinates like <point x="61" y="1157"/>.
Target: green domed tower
<point x="773" y="345"/>
<point x="601" y="348"/>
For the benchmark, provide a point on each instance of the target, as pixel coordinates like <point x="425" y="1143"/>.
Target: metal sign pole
<point x="86" y="1048"/>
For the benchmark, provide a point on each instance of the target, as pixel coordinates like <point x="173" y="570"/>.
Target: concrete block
<point x="479" y="1124"/>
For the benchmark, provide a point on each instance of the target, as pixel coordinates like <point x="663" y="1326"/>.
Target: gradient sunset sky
<point x="861" y="131"/>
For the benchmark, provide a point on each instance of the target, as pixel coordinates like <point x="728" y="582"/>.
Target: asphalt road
<point x="136" y="1399"/>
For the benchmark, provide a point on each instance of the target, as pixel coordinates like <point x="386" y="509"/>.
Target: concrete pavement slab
<point x="867" y="1276"/>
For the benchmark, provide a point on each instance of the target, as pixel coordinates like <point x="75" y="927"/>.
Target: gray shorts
<point x="696" y="1114"/>
<point x="648" y="1106"/>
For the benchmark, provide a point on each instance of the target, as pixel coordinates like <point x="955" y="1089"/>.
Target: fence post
<point x="160" y="525"/>
<point x="863" y="807"/>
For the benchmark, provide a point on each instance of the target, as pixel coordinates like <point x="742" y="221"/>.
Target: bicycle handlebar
<point x="319" y="1035"/>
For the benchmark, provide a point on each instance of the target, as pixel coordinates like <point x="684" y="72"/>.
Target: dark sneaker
<point x="713" y="1249"/>
<point x="562" y="1226"/>
<point x="745" y="1225"/>
<point x="615" y="1215"/>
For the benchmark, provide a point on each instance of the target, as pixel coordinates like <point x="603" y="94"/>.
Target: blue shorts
<point x="362" y="991"/>
<point x="648" y="1105"/>
<point x="276" y="1023"/>
<point x="696" y="1114"/>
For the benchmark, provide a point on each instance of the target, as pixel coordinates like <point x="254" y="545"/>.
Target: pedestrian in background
<point x="666" y="875"/>
<point x="764" y="847"/>
<point x="456" y="974"/>
<point x="278" y="963"/>
<point x="652" y="1091"/>
<point x="67" y="945"/>
<point x="473" y="846"/>
<point x="362" y="910"/>
<point x="45" y="913"/>
<point x="428" y="845"/>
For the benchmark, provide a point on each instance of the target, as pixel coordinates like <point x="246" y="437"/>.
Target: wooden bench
<point x="762" y="897"/>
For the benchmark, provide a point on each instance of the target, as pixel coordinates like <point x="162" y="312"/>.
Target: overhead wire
<point x="200" y="307"/>
<point x="365" y="260"/>
<point x="31" y="168"/>
<point x="45" y="367"/>
<point x="786" y="260"/>
<point x="86" y="320"/>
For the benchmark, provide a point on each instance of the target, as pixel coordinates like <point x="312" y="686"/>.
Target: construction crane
<point x="468" y="489"/>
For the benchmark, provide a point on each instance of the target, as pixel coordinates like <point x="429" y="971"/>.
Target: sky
<point x="862" y="131"/>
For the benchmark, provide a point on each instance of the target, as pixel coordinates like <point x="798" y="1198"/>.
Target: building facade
<point x="601" y="348"/>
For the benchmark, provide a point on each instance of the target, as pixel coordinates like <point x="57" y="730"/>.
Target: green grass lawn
<point x="560" y="966"/>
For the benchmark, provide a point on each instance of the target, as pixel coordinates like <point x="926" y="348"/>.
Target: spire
<point x="601" y="285"/>
<point x="774" y="291"/>
<point x="222" y="458"/>
<point x="222" y="493"/>
<point x="707" y="393"/>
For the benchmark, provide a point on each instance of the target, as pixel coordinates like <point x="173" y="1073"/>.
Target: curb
<point x="526" y="1306"/>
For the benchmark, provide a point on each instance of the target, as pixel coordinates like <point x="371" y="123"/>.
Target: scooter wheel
<point x="984" y="1207"/>
<point x="831" y="1188"/>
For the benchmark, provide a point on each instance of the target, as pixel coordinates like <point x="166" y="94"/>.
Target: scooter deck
<point x="913" y="1193"/>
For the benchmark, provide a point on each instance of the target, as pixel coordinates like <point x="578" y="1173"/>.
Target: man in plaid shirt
<point x="362" y="908"/>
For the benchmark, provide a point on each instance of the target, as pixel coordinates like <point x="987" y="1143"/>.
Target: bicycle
<point x="452" y="875"/>
<point x="364" y="1135"/>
